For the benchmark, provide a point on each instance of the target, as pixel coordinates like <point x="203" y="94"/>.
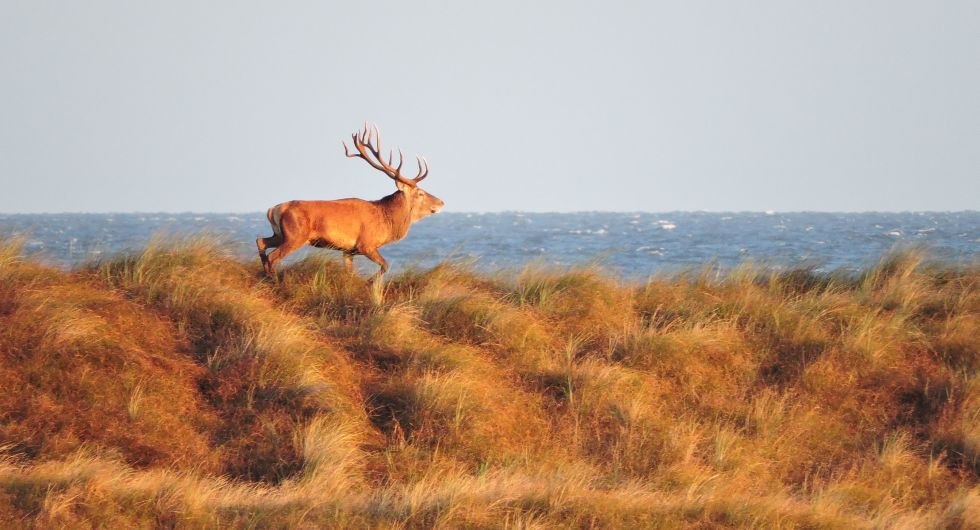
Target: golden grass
<point x="80" y="366"/>
<point x="177" y="387"/>
<point x="269" y="376"/>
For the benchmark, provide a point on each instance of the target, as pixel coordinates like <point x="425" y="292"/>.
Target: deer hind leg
<point x="376" y="281"/>
<point x="349" y="263"/>
<point x="286" y="248"/>
<point x="266" y="242"/>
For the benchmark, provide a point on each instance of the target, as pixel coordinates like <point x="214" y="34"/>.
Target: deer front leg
<point x="376" y="281"/>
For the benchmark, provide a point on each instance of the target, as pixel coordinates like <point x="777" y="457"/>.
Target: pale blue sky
<point x="540" y="106"/>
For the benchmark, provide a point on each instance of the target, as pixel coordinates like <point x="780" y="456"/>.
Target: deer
<point x="352" y="226"/>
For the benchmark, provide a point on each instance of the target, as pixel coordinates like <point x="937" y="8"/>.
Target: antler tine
<point x="373" y="141"/>
<point x="346" y="152"/>
<point x="369" y="136"/>
<point x="418" y="178"/>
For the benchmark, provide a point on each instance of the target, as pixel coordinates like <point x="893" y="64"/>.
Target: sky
<point x="532" y="106"/>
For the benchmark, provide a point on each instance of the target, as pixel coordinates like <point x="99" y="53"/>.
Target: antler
<point x="364" y="142"/>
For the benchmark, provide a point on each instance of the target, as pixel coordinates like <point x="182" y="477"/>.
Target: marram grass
<point x="176" y="387"/>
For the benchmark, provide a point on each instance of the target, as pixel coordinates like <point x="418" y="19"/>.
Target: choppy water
<point x="631" y="244"/>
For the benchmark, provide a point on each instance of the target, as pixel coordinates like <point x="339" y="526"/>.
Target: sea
<point x="633" y="245"/>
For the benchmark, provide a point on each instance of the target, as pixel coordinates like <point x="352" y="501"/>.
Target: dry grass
<point x="178" y="388"/>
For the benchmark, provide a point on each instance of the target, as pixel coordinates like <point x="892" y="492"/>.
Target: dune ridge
<point x="176" y="387"/>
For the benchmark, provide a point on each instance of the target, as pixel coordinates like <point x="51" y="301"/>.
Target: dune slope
<point x="177" y="387"/>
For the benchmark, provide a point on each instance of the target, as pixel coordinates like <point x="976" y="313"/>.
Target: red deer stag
<point x="353" y="226"/>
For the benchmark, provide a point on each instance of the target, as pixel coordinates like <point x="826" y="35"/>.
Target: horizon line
<point x="492" y="212"/>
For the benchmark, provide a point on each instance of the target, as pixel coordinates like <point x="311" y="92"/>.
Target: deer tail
<point x="275" y="217"/>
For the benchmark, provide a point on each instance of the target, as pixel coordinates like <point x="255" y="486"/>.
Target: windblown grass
<point x="177" y="387"/>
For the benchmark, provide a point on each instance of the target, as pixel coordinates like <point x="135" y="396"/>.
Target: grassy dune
<point x="177" y="388"/>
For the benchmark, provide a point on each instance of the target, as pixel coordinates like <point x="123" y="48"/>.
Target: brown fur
<point x="353" y="226"/>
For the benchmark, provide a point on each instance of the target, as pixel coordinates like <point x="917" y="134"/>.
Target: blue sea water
<point x="633" y="245"/>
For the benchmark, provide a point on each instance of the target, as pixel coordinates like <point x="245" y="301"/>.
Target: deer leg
<point x="375" y="281"/>
<point x="349" y="263"/>
<point x="263" y="243"/>
<point x="286" y="248"/>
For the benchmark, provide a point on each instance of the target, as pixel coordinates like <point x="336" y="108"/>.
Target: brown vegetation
<point x="179" y="388"/>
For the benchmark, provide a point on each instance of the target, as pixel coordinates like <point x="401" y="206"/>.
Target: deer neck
<point x="397" y="212"/>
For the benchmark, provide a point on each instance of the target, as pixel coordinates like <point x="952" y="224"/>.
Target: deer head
<point x="421" y="203"/>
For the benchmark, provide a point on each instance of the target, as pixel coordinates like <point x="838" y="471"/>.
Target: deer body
<point x="353" y="226"/>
